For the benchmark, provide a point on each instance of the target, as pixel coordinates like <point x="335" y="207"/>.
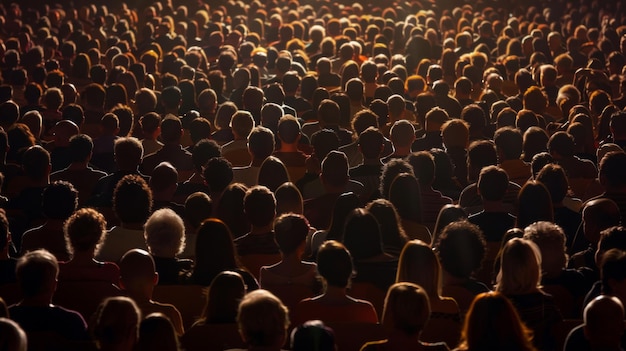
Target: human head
<point x="261" y="143"/>
<point x="554" y="178"/>
<point x="612" y="170"/>
<point x="461" y="248"/>
<point x="312" y="336"/>
<point x="37" y="273"/>
<point x="156" y="331"/>
<point x="520" y="268"/>
<point x="362" y="235"/>
<point x="407" y="309"/>
<point x="59" y="200"/>
<point x="334" y="173"/>
<point x="534" y="204"/>
<point x="164" y="232"/>
<point x="12" y="337"/>
<point x="291" y="231"/>
<point x="390" y="171"/>
<point x="84" y="230"/>
<point x="509" y="143"/>
<point x="424" y="167"/>
<point x="405" y="195"/>
<point x="259" y="206"/>
<point x="128" y="153"/>
<point x="493" y="183"/>
<point x="455" y="133"/>
<point x="117" y="323"/>
<point x="603" y="322"/>
<point x="263" y="320"/>
<point x="132" y="199"/>
<point x="418" y="264"/>
<point x="334" y="264"/>
<point x="550" y="239"/>
<point x="225" y="292"/>
<point x="137" y="272"/>
<point x="598" y="215"/>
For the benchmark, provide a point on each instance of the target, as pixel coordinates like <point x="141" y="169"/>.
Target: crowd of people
<point x="451" y="170"/>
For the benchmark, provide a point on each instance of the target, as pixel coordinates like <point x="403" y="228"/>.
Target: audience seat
<point x="351" y="336"/>
<point x="212" y="337"/>
<point x="188" y="299"/>
<point x="462" y="296"/>
<point x="84" y="297"/>
<point x="254" y="262"/>
<point x="439" y="329"/>
<point x="290" y="295"/>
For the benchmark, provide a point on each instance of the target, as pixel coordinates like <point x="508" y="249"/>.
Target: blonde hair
<point x="262" y="319"/>
<point x="418" y="264"/>
<point x="520" y="269"/>
<point x="550" y="239"/>
<point x="407" y="308"/>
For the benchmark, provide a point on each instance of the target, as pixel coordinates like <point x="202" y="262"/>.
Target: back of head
<point x="461" y="249"/>
<point x="603" y="318"/>
<point x="226" y="291"/>
<point x="612" y="170"/>
<point x="324" y="141"/>
<point x="242" y="123"/>
<point x="132" y="199"/>
<point x="263" y="319"/>
<point x="259" y="206"/>
<point x="520" y="269"/>
<point x="290" y="232"/>
<point x="407" y="308"/>
<point x="59" y="200"/>
<point x="371" y="143"/>
<point x="165" y="233"/>
<point x="36" y="162"/>
<point x="335" y="169"/>
<point x="171" y="129"/>
<point x="561" y="145"/>
<point x="288" y="129"/>
<point x="424" y="167"/>
<point x="137" y="270"/>
<point x="493" y="183"/>
<point x="362" y="235"/>
<point x="554" y="178"/>
<point x="156" y="331"/>
<point x="261" y="142"/>
<point x="36" y="273"/>
<point x="198" y="206"/>
<point x="81" y="147"/>
<point x="402" y="133"/>
<point x="312" y="336"/>
<point x="509" y="143"/>
<point x="418" y="264"/>
<point x="117" y="322"/>
<point x="164" y="177"/>
<point x="218" y="173"/>
<point x="334" y="264"/>
<point x="12" y="337"/>
<point x="455" y="133"/>
<point x="128" y="153"/>
<point x="550" y="239"/>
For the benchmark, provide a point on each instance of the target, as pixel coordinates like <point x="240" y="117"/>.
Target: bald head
<point x="598" y="215"/>
<point x="137" y="270"/>
<point x="604" y="322"/>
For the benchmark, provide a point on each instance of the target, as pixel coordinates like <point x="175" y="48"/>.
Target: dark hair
<point x="392" y="233"/>
<point x="554" y="178"/>
<point x="260" y="206"/>
<point x="390" y="171"/>
<point x="461" y="248"/>
<point x="361" y="235"/>
<point x="272" y="173"/>
<point x="493" y="183"/>
<point x="59" y="200"/>
<point x="405" y="195"/>
<point x="218" y="173"/>
<point x="509" y="141"/>
<point x="290" y="231"/>
<point x="334" y="264"/>
<point x="203" y="151"/>
<point x="132" y="199"/>
<point x="423" y="166"/>
<point x="613" y="168"/>
<point x="81" y="147"/>
<point x="534" y="204"/>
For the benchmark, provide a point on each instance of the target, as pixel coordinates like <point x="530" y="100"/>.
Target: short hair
<point x="261" y="142"/>
<point x="12" y="336"/>
<point x="493" y="183"/>
<point x="461" y="248"/>
<point x="612" y="267"/>
<point x="329" y="112"/>
<point x="554" y="178"/>
<point x="288" y="129"/>
<point x="132" y="199"/>
<point x="171" y="129"/>
<point x="402" y="133"/>
<point x="262" y="318"/>
<point x="59" y="200"/>
<point x="550" y="239"/>
<point x="613" y="168"/>
<point x="259" y="206"/>
<point x="128" y="152"/>
<point x="509" y="141"/>
<point x="407" y="308"/>
<point x="199" y="128"/>
<point x="242" y="123"/>
<point x="164" y="176"/>
<point x="36" y="161"/>
<point x="291" y="231"/>
<point x="520" y="267"/>
<point x="390" y="171"/>
<point x="84" y="230"/>
<point x="334" y="264"/>
<point x="323" y="142"/>
<point x="81" y="146"/>
<point x="165" y="233"/>
<point x="423" y="164"/>
<point x="312" y="335"/>
<point x="36" y="271"/>
<point x="455" y="132"/>
<point x="371" y="143"/>
<point x="218" y="173"/>
<point x="198" y="207"/>
<point x="562" y="143"/>
<point x="335" y="169"/>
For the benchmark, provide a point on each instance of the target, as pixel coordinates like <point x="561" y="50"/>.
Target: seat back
<point x="84" y="297"/>
<point x="188" y="299"/>
<point x="350" y="336"/>
<point x="442" y="329"/>
<point x="463" y="296"/>
<point x="254" y="262"/>
<point x="212" y="337"/>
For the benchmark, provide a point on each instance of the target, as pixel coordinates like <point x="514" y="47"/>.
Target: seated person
<point x="11" y="335"/>
<point x="291" y="231"/>
<point x="84" y="231"/>
<point x="165" y="237"/>
<point x="138" y="279"/>
<point x="334" y="264"/>
<point x="116" y="324"/>
<point x="263" y="321"/>
<point x="260" y="209"/>
<point x="7" y="263"/>
<point x="406" y="313"/>
<point x="59" y="201"/>
<point x="602" y="328"/>
<point x="37" y="273"/>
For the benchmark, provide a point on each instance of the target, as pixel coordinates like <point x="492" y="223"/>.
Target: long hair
<point x="492" y="324"/>
<point x="418" y="264"/>
<point x="520" y="268"/>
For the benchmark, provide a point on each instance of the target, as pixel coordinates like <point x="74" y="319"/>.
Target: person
<point x="132" y="204"/>
<point x="84" y="231"/>
<point x="37" y="272"/>
<point x="260" y="147"/>
<point x="492" y="323"/>
<point x="534" y="204"/>
<point x="157" y="332"/>
<point x="172" y="150"/>
<point x="313" y="336"/>
<point x="291" y="231"/>
<point x="405" y="315"/>
<point x="519" y="279"/>
<point x="419" y="265"/>
<point x="7" y="263"/>
<point x="263" y="321"/>
<point x="509" y="145"/>
<point x="59" y="201"/>
<point x="260" y="209"/>
<point x="334" y="265"/>
<point x="226" y="291"/>
<point x="165" y="237"/>
<point x="405" y="195"/>
<point x="138" y="278"/>
<point x="215" y="253"/>
<point x="117" y="324"/>
<point x="393" y="236"/>
<point x="461" y="250"/>
<point x="12" y="337"/>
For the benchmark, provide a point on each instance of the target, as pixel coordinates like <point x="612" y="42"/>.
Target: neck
<point x="261" y="229"/>
<point x="37" y="301"/>
<point x="284" y="147"/>
<point x="75" y="166"/>
<point x="402" y="150"/>
<point x="493" y="206"/>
